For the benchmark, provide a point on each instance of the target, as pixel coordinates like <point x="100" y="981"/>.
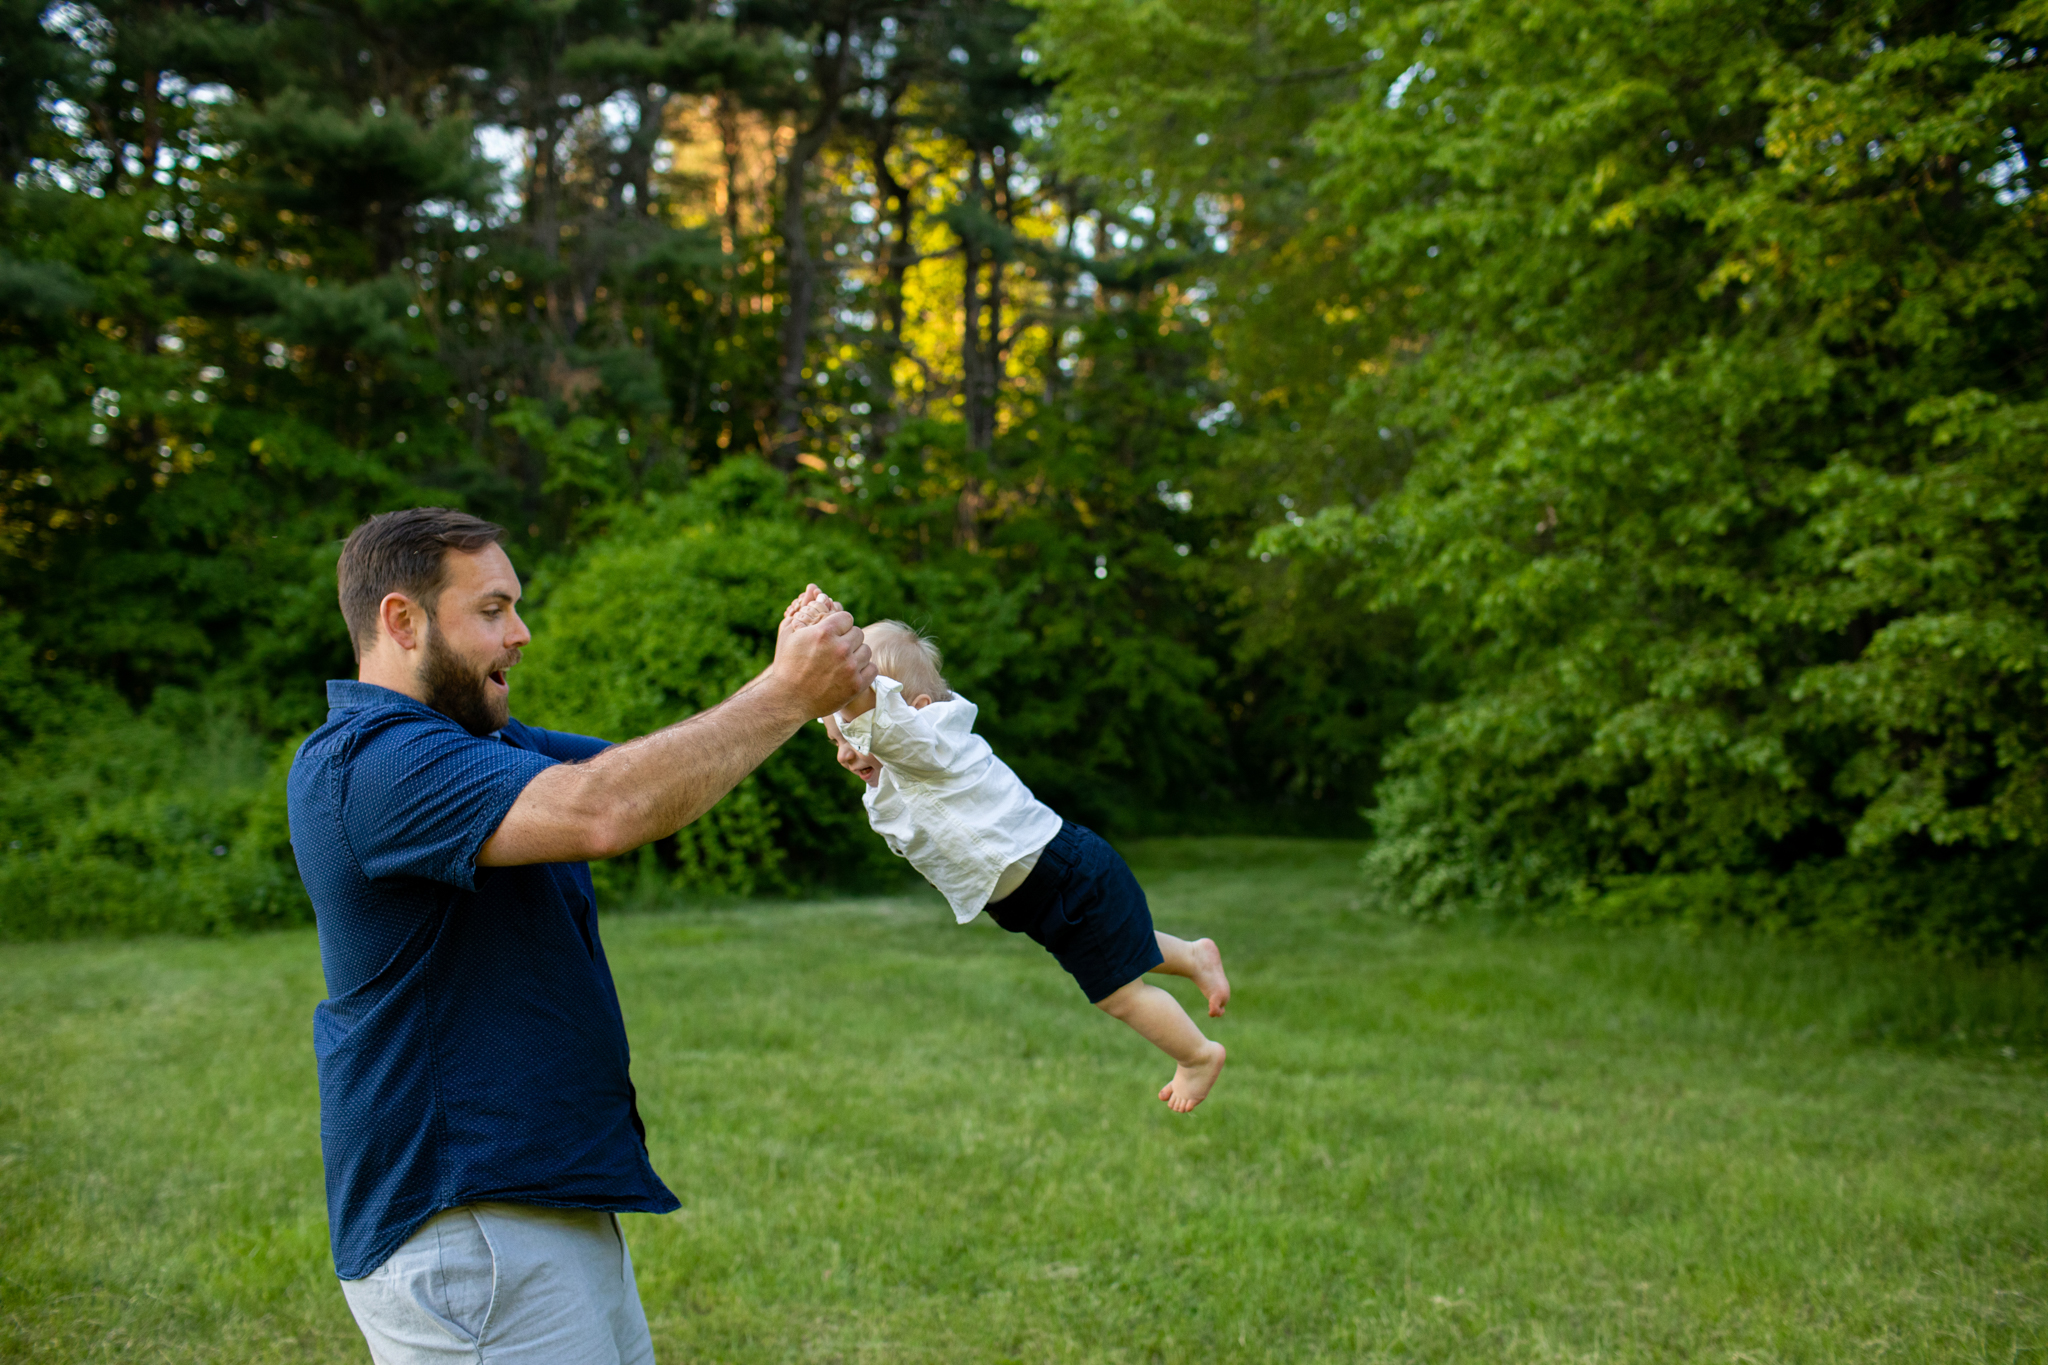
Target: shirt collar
<point x="350" y="694"/>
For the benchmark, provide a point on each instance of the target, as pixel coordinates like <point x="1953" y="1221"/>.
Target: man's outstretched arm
<point x="634" y="793"/>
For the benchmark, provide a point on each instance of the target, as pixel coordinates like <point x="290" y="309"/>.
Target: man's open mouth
<point x="498" y="677"/>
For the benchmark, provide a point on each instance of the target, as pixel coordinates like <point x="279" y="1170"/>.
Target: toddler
<point x="941" y="798"/>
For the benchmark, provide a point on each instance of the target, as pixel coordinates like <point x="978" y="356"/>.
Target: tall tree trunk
<point x="544" y="209"/>
<point x="1059" y="278"/>
<point x="829" y="70"/>
<point x="801" y="274"/>
<point x="547" y="231"/>
<point x="109" y="124"/>
<point x="636" y="163"/>
<point x="897" y="252"/>
<point x="729" y="147"/>
<point x="992" y="366"/>
<point x="973" y="390"/>
<point x="152" y="127"/>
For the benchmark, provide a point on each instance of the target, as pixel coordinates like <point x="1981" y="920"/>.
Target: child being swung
<point x="941" y="798"/>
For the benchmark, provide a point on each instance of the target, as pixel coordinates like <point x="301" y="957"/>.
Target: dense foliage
<point x="1709" y="336"/>
<point x="1623" y="424"/>
<point x="699" y="301"/>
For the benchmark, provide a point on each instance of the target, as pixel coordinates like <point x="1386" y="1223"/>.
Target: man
<point x="476" y="1117"/>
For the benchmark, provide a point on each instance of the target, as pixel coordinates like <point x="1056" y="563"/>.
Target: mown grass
<point x="896" y="1140"/>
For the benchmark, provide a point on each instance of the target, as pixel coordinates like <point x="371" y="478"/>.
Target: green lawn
<point x="897" y="1140"/>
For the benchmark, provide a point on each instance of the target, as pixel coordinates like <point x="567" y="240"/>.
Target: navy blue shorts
<point x="1082" y="904"/>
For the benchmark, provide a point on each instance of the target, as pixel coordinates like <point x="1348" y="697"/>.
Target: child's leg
<point x="1200" y="963"/>
<point x="1160" y="1018"/>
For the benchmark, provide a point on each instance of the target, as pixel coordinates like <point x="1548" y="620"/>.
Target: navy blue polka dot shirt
<point x="471" y="1045"/>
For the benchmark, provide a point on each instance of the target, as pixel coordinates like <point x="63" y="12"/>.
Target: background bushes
<point x="670" y="613"/>
<point x="170" y="820"/>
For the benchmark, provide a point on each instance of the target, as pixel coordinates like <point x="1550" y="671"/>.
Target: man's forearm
<point x="653" y="786"/>
<point x="660" y="782"/>
<point x="647" y="788"/>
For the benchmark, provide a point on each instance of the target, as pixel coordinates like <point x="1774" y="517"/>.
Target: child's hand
<point x="866" y="767"/>
<point x="807" y="609"/>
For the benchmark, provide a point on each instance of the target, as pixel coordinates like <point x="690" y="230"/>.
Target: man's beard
<point x="455" y="687"/>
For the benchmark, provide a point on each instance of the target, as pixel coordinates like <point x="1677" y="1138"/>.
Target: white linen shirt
<point x="943" y="799"/>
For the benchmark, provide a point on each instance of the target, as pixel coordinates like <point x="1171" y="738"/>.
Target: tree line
<point x="597" y="272"/>
<point x="1597" y="450"/>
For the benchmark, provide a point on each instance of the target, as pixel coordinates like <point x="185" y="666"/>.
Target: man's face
<point x="474" y="640"/>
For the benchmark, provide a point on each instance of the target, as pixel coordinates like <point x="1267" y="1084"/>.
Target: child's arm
<point x="862" y="703"/>
<point x="880" y="723"/>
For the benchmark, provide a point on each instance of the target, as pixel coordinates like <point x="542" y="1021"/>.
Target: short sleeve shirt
<point x="471" y="1046"/>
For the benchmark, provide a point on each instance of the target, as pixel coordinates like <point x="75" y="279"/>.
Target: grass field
<point x="896" y="1140"/>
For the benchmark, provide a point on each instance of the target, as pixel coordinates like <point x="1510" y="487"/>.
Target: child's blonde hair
<point x="909" y="656"/>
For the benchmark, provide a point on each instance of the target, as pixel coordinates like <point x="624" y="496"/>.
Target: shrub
<point x="663" y="617"/>
<point x="173" y="820"/>
<point x="1725" y="517"/>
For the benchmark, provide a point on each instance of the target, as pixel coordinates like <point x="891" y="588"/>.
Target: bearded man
<point x="477" y="1120"/>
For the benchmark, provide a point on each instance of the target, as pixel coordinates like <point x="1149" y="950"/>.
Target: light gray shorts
<point x="505" y="1284"/>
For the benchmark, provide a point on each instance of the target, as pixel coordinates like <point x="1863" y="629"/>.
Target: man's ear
<point x="401" y="619"/>
<point x="920" y="701"/>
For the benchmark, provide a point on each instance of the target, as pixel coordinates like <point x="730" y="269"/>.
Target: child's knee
<point x="1121" y="1001"/>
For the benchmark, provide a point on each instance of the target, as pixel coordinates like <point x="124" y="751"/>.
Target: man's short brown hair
<point x="403" y="552"/>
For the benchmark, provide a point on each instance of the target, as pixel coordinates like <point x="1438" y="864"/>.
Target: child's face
<point x="866" y="767"/>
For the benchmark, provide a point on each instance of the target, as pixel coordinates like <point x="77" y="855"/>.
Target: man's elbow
<point x="609" y="835"/>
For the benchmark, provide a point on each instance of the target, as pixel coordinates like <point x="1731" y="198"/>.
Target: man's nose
<point x="519" y="634"/>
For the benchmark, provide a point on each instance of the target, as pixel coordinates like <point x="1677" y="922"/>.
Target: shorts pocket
<point x="1072" y="918"/>
<point x="1081" y="889"/>
<point x="434" y="1292"/>
<point x="468" y="1274"/>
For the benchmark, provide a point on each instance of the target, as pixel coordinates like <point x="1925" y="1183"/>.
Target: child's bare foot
<point x="1190" y="1084"/>
<point x="1207" y="974"/>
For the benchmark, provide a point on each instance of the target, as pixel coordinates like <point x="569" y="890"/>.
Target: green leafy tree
<point x="1709" y="339"/>
<point x="259" y="278"/>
